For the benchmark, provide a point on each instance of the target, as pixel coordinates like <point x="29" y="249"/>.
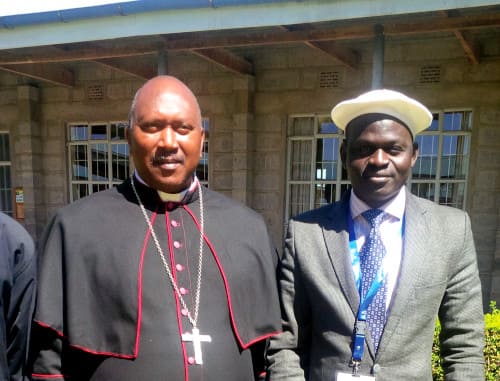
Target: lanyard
<point x="360" y="325"/>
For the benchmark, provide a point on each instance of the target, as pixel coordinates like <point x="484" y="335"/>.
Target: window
<point x="441" y="171"/>
<point x="314" y="172"/>
<point x="315" y="176"/>
<point x="98" y="157"/>
<point x="5" y="177"/>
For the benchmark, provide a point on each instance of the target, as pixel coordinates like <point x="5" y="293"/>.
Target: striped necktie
<point x="371" y="256"/>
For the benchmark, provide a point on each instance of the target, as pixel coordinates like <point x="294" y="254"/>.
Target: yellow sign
<point x="19" y="196"/>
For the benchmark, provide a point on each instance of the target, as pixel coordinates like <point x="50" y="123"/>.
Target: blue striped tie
<point x="371" y="256"/>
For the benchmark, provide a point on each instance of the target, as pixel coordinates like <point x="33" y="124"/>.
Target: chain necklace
<point x="193" y="318"/>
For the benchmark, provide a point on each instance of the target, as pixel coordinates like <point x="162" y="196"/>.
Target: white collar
<point x="164" y="196"/>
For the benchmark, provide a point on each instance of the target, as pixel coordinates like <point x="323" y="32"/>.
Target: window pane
<point x="326" y="126"/>
<point x="425" y="167"/>
<point x="455" y="157"/>
<point x="452" y="194"/>
<point x="301" y="160"/>
<point x="99" y="187"/>
<point x="79" y="162"/>
<point x="424" y="190"/>
<point x="99" y="132"/>
<point x="324" y="194"/>
<point x="5" y="190"/>
<point x="457" y="121"/>
<point x="327" y="158"/>
<point x="99" y="162"/>
<point x="303" y="126"/>
<point x="78" y="132"/>
<point x="4" y="147"/>
<point x="299" y="198"/>
<point x="434" y="124"/>
<point x="79" y="191"/>
<point x="119" y="161"/>
<point x="118" y="131"/>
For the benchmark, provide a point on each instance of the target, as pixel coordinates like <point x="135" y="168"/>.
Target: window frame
<point x="312" y="182"/>
<point x="8" y="187"/>
<point x="440" y="133"/>
<point x="88" y="142"/>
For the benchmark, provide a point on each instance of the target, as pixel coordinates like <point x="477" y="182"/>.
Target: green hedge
<point x="491" y="348"/>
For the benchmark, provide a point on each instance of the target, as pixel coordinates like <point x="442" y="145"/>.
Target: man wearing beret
<point x="363" y="280"/>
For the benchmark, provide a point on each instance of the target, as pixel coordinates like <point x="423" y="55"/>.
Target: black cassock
<point x="106" y="308"/>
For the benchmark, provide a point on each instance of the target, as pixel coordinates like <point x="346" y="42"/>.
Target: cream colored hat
<point x="411" y="112"/>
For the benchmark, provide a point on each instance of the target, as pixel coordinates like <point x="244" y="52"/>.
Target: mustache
<point x="162" y="157"/>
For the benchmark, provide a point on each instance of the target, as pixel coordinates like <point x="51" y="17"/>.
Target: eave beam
<point x="226" y="59"/>
<point x="49" y="73"/>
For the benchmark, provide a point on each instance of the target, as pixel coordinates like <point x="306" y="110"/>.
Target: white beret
<point x="411" y="112"/>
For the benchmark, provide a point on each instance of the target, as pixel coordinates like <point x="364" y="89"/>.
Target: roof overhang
<point x="152" y="17"/>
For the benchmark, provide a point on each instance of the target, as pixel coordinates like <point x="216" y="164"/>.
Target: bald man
<point x="158" y="278"/>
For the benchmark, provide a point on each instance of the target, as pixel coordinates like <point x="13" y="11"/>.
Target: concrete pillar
<point x="243" y="139"/>
<point x="26" y="155"/>
<point x="162" y="63"/>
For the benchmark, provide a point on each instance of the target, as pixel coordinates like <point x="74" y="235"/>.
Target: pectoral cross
<point x="196" y="338"/>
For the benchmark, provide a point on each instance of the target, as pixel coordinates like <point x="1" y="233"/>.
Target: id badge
<point x="341" y="376"/>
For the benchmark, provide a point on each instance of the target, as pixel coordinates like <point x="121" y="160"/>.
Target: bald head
<point x="161" y="84"/>
<point x="165" y="135"/>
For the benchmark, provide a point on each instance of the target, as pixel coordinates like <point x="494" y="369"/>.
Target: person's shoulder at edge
<point x="16" y="232"/>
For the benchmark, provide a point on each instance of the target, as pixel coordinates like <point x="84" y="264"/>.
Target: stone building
<point x="267" y="74"/>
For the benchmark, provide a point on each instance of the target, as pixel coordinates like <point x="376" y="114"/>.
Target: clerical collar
<point x="172" y="197"/>
<point x="394" y="207"/>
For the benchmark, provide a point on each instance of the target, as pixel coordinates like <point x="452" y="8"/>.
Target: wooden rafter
<point x="346" y="56"/>
<point x="79" y="54"/>
<point x="49" y="73"/>
<point x="130" y="68"/>
<point x="470" y="48"/>
<point x="226" y="59"/>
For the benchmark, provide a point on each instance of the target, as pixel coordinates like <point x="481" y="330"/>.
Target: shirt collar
<point x="174" y="197"/>
<point x="394" y="207"/>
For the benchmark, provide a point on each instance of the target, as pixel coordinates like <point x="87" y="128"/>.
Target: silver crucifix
<point x="196" y="338"/>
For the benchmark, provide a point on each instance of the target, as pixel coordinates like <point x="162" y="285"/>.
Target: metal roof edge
<point x="118" y="9"/>
<point x="260" y="13"/>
